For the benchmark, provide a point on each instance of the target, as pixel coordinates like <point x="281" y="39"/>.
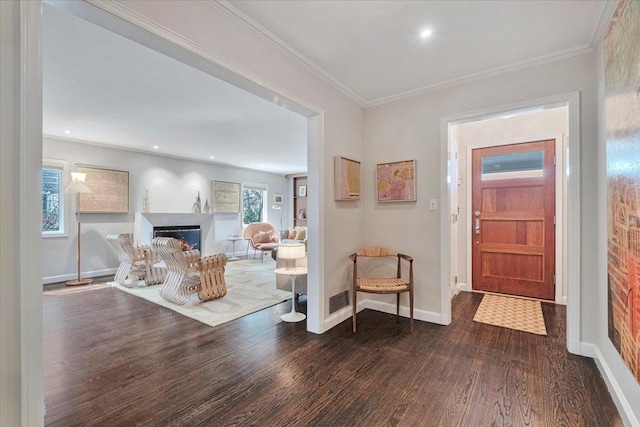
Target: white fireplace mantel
<point x="144" y="222"/>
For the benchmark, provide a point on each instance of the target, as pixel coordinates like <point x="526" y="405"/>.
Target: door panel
<point x="513" y="230"/>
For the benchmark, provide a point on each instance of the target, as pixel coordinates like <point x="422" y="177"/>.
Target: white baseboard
<point x="341" y="315"/>
<point x="621" y="402"/>
<point x="464" y="287"/>
<point x="385" y="307"/>
<point x="345" y="313"/>
<point x="85" y="274"/>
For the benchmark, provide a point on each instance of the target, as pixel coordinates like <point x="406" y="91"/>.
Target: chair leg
<point x="411" y="307"/>
<point x="355" y="308"/>
<point x="397" y="308"/>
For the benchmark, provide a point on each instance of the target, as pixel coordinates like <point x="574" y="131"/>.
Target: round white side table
<point x="233" y="241"/>
<point x="294" y="316"/>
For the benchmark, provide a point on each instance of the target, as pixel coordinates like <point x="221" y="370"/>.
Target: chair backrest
<point x="375" y="251"/>
<point x="255" y="227"/>
<point x="123" y="245"/>
<point x="171" y="253"/>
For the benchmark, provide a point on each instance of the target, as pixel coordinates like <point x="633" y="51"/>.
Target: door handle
<point x="477" y="225"/>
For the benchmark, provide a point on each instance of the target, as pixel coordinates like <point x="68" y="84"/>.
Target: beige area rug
<point x="513" y="313"/>
<point x="251" y="286"/>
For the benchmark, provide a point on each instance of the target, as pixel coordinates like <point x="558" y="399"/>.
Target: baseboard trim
<point x="340" y="316"/>
<point x="385" y="307"/>
<point x="575" y="347"/>
<point x="621" y="402"/>
<point x="464" y="287"/>
<point x="65" y="277"/>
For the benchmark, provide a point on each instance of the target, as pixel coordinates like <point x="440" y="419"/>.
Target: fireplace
<point x="187" y="235"/>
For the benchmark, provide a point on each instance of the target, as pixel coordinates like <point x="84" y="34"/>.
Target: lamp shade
<point x="77" y="183"/>
<point x="291" y="251"/>
<point x="275" y="207"/>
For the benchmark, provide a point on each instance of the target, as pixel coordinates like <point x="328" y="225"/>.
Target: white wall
<point x="411" y="127"/>
<point x="526" y="127"/>
<point x="173" y="185"/>
<point x="621" y="378"/>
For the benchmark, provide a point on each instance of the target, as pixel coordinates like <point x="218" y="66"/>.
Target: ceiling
<point x="373" y="52"/>
<point x="109" y="90"/>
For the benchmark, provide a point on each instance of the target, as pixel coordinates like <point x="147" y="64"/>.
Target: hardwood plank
<point x="115" y="359"/>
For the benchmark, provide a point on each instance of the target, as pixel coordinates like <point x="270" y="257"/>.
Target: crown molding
<point x="604" y="14"/>
<point x="504" y="69"/>
<point x="121" y="11"/>
<point x="606" y="9"/>
<point x="232" y="12"/>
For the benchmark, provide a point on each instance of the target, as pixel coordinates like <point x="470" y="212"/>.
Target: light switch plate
<point x="433" y="204"/>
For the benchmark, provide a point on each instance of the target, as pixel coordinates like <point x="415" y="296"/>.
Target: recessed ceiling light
<point x="67" y="131"/>
<point x="155" y="147"/>
<point x="425" y="33"/>
<point x="211" y="157"/>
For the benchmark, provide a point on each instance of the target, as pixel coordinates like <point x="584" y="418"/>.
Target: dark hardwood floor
<point x="113" y="359"/>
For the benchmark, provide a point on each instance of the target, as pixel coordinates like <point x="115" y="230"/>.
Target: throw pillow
<point x="292" y="234"/>
<point x="301" y="233"/>
<point x="263" y="237"/>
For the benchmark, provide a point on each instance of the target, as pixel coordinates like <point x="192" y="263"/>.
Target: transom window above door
<point x="513" y="165"/>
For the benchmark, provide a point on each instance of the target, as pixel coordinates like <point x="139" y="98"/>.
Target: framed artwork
<point x="396" y="181"/>
<point x="109" y="190"/>
<point x="277" y="199"/>
<point x="622" y="122"/>
<point x="347" y="179"/>
<point x="226" y="197"/>
<point x="302" y="191"/>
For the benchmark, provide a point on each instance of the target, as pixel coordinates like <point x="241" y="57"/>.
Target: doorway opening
<point x="554" y="119"/>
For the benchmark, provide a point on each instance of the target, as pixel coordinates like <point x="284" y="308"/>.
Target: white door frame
<point x="572" y="100"/>
<point x="560" y="184"/>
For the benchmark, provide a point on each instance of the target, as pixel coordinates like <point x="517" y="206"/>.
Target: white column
<point x="21" y="389"/>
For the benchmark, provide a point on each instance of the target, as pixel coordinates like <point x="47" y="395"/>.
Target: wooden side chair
<point x="188" y="272"/>
<point x="137" y="262"/>
<point x="382" y="285"/>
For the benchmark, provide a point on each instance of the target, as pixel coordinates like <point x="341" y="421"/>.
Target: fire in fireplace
<point x="187" y="235"/>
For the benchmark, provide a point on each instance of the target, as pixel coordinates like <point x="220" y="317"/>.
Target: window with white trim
<point x="254" y="198"/>
<point x="53" y="198"/>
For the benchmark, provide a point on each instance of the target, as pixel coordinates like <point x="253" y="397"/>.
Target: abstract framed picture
<point x="226" y="197"/>
<point x="622" y="121"/>
<point x="277" y="199"/>
<point x="109" y="190"/>
<point x="347" y="179"/>
<point x="396" y="181"/>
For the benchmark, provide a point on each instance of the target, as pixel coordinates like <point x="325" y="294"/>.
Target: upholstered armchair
<point x="262" y="237"/>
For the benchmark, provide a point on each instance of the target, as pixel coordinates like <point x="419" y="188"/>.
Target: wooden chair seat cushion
<point x="382" y="284"/>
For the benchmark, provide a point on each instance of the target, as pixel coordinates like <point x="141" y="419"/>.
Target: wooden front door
<point x="513" y="230"/>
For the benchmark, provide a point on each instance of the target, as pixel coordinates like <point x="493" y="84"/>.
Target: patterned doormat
<point x="513" y="313"/>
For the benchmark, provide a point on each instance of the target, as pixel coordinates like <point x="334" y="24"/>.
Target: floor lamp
<point x="279" y="209"/>
<point x="78" y="186"/>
